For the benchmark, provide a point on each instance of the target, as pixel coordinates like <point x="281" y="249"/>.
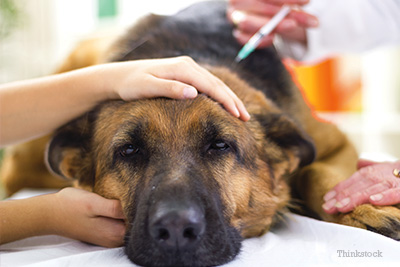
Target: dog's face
<point x="192" y="179"/>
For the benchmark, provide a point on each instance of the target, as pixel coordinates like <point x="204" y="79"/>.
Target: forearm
<point x="25" y="218"/>
<point x="36" y="107"/>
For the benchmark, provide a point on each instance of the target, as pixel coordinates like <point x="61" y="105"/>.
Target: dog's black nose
<point x="175" y="226"/>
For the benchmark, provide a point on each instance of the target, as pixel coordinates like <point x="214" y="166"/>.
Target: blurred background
<point x="360" y="93"/>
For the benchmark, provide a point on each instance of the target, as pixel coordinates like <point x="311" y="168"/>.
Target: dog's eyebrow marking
<point x="211" y="130"/>
<point x="232" y="135"/>
<point x="128" y="132"/>
<point x="215" y="130"/>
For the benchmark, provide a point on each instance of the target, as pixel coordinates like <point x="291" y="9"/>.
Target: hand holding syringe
<point x="250" y="16"/>
<point x="255" y="40"/>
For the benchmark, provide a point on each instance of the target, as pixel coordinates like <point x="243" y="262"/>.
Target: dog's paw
<point x="384" y="220"/>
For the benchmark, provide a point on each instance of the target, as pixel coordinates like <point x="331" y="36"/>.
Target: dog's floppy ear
<point x="68" y="152"/>
<point x="283" y="131"/>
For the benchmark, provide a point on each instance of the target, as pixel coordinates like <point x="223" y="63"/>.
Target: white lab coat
<point x="346" y="26"/>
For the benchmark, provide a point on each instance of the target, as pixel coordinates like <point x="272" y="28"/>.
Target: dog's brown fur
<point x="252" y="192"/>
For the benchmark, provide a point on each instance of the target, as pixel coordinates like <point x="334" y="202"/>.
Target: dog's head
<point x="192" y="179"/>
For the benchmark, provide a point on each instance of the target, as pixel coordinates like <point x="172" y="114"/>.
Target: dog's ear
<point x="68" y="152"/>
<point x="284" y="132"/>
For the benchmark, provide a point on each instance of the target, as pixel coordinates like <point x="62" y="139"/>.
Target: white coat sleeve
<point x="346" y="26"/>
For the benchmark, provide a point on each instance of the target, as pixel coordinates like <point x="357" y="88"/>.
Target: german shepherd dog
<point x="194" y="180"/>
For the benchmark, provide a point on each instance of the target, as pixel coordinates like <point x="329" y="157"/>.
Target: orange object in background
<point x="332" y="85"/>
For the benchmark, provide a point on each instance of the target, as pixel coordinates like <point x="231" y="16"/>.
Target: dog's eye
<point x="219" y="145"/>
<point x="129" y="150"/>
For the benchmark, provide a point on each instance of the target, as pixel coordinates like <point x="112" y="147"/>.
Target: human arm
<point x="71" y="212"/>
<point x="374" y="183"/>
<point x="32" y="108"/>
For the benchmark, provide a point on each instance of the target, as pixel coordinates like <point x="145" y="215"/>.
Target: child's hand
<point x="179" y="77"/>
<point x="44" y="104"/>
<point x="88" y="217"/>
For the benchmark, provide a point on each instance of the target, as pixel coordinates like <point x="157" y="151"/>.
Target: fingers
<point x="179" y="78"/>
<point x="333" y="194"/>
<point x="244" y="37"/>
<point x="100" y="231"/>
<point x="356" y="198"/>
<point x="349" y="193"/>
<point x="304" y="19"/>
<point x="251" y="22"/>
<point x="89" y="217"/>
<point x="108" y="218"/>
<point x="110" y="232"/>
<point x="109" y="208"/>
<point x="360" y="180"/>
<point x="249" y="18"/>
<point x="95" y="204"/>
<point x="388" y="197"/>
<point x="267" y="7"/>
<point x="373" y="183"/>
<point x="216" y="89"/>
<point x="261" y="8"/>
<point x="157" y="87"/>
<point x="186" y="75"/>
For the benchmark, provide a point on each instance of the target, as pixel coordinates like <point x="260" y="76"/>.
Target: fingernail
<point x="244" y="114"/>
<point x="342" y="203"/>
<point x="236" y="33"/>
<point x="329" y="205"/>
<point x="237" y="17"/>
<point x="189" y="92"/>
<point x="376" y="197"/>
<point x="247" y="114"/>
<point x="330" y="195"/>
<point x="312" y="22"/>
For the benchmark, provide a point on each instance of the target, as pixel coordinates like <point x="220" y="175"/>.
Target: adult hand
<point x="179" y="77"/>
<point x="373" y="183"/>
<point x="250" y="15"/>
<point x="88" y="217"/>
